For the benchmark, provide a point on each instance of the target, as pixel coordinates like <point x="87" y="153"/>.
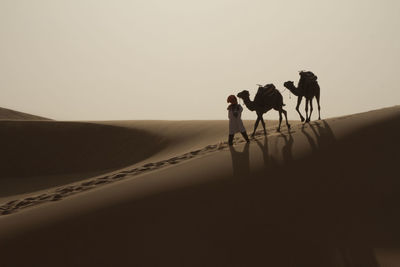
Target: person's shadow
<point x="240" y="161"/>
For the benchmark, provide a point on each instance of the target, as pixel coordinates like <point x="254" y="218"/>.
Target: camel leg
<point x="297" y="107"/>
<point x="280" y="120"/>
<point x="319" y="108"/>
<point x="287" y="123"/>
<point x="307" y="120"/>
<point x="263" y="125"/>
<point x="311" y="109"/>
<point x="256" y="125"/>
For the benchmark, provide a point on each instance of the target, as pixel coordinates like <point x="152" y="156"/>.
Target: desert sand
<point x="172" y="193"/>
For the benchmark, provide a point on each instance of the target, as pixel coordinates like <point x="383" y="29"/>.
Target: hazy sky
<point x="180" y="59"/>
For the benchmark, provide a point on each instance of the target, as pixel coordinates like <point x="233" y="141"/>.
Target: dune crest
<point x="9" y="114"/>
<point x="60" y="193"/>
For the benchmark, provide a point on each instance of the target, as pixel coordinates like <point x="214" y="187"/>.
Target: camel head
<point x="243" y="94"/>
<point x="288" y="84"/>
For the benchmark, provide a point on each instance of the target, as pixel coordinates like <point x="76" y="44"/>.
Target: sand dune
<point x="41" y="154"/>
<point x="98" y="150"/>
<point x="44" y="154"/>
<point x="8" y="114"/>
<point x="323" y="194"/>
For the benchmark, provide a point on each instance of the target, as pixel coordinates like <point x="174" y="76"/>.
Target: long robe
<point x="235" y="119"/>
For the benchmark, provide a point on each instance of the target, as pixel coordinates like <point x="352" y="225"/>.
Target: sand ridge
<point x="40" y="155"/>
<point x="45" y="154"/>
<point x="64" y="191"/>
<point x="8" y="114"/>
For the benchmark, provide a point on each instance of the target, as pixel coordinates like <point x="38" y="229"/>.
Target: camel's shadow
<point x="323" y="135"/>
<point x="300" y="193"/>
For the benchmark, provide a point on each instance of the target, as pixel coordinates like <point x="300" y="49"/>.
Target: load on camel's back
<point x="264" y="92"/>
<point x="307" y="79"/>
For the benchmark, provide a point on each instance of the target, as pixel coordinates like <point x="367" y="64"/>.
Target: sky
<point x="180" y="59"/>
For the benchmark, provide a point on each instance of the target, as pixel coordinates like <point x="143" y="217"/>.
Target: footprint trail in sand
<point x="72" y="189"/>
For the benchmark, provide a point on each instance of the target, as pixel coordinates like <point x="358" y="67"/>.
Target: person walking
<point x="235" y="119"/>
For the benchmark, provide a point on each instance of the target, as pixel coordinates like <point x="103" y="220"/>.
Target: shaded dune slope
<point x="43" y="154"/>
<point x="8" y="114"/>
<point x="39" y="155"/>
<point x="327" y="197"/>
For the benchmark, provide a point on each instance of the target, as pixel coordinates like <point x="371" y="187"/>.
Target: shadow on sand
<point x="330" y="207"/>
<point x="323" y="133"/>
<point x="304" y="201"/>
<point x="240" y="161"/>
<point x="269" y="160"/>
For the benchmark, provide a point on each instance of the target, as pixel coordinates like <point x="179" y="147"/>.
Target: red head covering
<point x="232" y="99"/>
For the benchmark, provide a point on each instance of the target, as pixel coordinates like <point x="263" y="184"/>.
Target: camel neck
<point x="295" y="90"/>
<point x="249" y="104"/>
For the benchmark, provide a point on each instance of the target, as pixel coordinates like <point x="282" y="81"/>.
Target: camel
<point x="308" y="87"/>
<point x="267" y="98"/>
